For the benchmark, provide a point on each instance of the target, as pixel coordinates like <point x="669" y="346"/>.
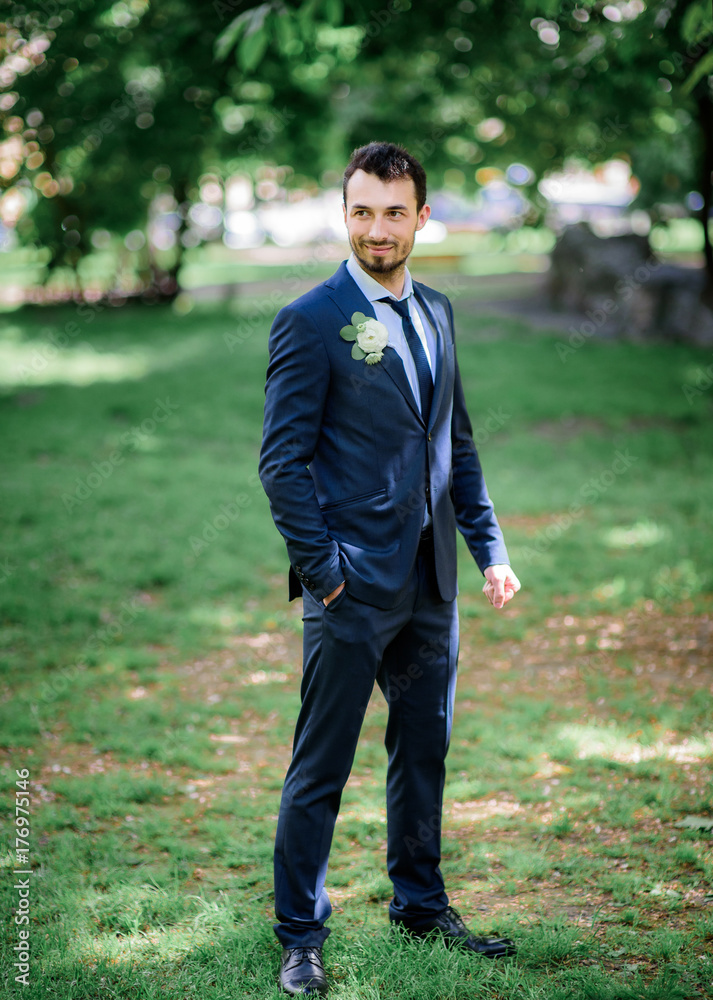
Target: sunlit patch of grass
<point x="641" y="534"/>
<point x="611" y="742"/>
<point x="135" y="910"/>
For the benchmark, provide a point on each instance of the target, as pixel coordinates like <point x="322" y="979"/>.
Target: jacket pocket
<point x="335" y="504"/>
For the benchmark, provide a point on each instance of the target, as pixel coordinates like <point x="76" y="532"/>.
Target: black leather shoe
<point x="455" y="934"/>
<point x="302" y="972"/>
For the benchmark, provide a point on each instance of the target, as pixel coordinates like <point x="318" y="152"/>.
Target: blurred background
<point x="153" y="151"/>
<point x="170" y="177"/>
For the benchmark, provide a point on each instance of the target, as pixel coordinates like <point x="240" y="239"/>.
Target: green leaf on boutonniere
<point x="358" y="318"/>
<point x="348" y="333"/>
<point x="357" y="353"/>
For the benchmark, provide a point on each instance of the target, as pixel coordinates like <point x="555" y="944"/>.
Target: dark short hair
<point x="390" y="163"/>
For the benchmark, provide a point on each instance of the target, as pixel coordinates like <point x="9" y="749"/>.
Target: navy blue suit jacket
<point x="347" y="459"/>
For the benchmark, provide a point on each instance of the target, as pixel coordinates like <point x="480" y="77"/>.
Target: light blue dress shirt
<point x="392" y="321"/>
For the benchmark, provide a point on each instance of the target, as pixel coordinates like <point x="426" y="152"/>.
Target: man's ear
<point x="423" y="217"/>
<point x="344" y="209"/>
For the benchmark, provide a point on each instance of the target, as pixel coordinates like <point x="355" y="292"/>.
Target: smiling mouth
<point x="379" y="249"/>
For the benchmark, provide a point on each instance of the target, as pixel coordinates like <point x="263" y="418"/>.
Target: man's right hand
<point x="335" y="593"/>
<point x="501" y="584"/>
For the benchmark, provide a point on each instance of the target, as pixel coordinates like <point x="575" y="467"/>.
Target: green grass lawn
<point x="150" y="671"/>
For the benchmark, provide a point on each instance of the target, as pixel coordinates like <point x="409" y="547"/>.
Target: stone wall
<point x="621" y="286"/>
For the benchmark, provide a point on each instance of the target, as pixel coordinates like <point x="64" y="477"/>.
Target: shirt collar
<point x="371" y="287"/>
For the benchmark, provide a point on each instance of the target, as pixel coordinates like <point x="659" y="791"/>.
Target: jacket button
<point x="430" y="436"/>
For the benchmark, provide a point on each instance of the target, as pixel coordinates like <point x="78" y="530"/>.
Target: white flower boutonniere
<point x="370" y="337"/>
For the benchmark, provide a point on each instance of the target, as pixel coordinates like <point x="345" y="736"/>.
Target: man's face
<point x="382" y="220"/>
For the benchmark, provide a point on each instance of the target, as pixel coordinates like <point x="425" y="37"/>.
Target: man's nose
<point x="377" y="230"/>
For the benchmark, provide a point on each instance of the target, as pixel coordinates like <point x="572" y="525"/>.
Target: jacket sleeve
<point x="295" y="392"/>
<point x="475" y="515"/>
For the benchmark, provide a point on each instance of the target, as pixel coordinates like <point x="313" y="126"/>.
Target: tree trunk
<point x="164" y="285"/>
<point x="705" y="115"/>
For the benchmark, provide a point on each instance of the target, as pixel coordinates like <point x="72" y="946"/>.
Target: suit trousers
<point x="411" y="651"/>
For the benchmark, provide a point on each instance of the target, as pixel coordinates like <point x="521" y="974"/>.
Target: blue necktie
<point x="423" y="369"/>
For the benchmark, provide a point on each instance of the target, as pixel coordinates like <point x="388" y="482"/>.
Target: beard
<point x="395" y="261"/>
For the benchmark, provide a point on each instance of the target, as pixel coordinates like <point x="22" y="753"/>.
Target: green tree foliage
<point x="120" y="103"/>
<point x="106" y="103"/>
<point x="485" y="84"/>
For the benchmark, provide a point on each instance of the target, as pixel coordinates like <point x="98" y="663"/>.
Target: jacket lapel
<point x="347" y="295"/>
<point x="349" y="298"/>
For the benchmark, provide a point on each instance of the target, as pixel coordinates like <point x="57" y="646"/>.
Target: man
<point x="369" y="464"/>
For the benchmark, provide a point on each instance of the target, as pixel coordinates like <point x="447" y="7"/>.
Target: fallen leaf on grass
<point x="696" y="823"/>
<point x="662" y="890"/>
